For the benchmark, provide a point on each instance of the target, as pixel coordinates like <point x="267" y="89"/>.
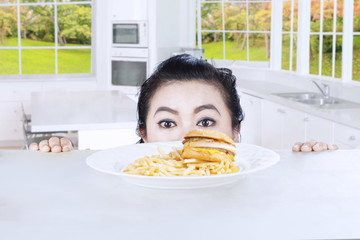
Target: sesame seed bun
<point x="212" y="134"/>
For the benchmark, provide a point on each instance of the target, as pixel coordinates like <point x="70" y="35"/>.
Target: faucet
<point x="325" y="90"/>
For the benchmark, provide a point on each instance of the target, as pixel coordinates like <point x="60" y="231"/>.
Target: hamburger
<point x="208" y="145"/>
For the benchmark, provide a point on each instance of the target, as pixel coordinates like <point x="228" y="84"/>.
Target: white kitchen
<point x="296" y="67"/>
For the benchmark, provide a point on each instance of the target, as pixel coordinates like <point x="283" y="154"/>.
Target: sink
<point x="298" y="96"/>
<point x="318" y="100"/>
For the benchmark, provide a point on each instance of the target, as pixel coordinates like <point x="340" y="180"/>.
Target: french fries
<point x="172" y="164"/>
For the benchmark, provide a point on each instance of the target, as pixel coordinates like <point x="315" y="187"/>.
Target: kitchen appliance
<point x="132" y="34"/>
<point x="129" y="66"/>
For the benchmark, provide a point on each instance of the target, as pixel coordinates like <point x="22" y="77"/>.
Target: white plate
<point x="250" y="158"/>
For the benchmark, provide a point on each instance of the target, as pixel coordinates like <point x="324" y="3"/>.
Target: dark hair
<point x="183" y="68"/>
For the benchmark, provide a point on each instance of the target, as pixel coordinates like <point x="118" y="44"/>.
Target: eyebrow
<point x="166" y="109"/>
<point x="205" y="107"/>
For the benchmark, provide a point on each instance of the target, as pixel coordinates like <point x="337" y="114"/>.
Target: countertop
<point x="82" y="110"/>
<point x="57" y="196"/>
<point x="265" y="90"/>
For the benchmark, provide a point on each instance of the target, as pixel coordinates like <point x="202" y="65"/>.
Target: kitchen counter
<point x="103" y="119"/>
<point x="262" y="89"/>
<point x="82" y="110"/>
<point x="57" y="196"/>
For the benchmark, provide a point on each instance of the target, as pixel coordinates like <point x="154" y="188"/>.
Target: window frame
<point x="247" y="62"/>
<point x="303" y="40"/>
<point x="304" y="33"/>
<point x="56" y="76"/>
<point x="291" y="34"/>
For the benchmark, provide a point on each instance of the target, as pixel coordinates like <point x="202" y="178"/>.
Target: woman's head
<point x="185" y="93"/>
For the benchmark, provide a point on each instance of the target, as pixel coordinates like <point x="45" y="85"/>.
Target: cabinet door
<point x="11" y="131"/>
<point x="271" y="125"/>
<point x="346" y="137"/>
<point x="281" y="126"/>
<point x="251" y="125"/>
<point x="293" y="128"/>
<point x="128" y="10"/>
<point x="319" y="129"/>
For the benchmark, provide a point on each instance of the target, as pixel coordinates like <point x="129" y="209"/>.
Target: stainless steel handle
<point x="352" y="138"/>
<point x="280" y="110"/>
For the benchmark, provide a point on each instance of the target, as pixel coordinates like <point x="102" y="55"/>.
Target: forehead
<point x="190" y="93"/>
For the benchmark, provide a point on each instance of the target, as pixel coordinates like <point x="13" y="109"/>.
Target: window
<point x="235" y="30"/>
<point x="39" y="37"/>
<point x="326" y="30"/>
<point x="356" y="42"/>
<point x="289" y="35"/>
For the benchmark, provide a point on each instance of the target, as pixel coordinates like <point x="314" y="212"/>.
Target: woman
<point x="186" y="93"/>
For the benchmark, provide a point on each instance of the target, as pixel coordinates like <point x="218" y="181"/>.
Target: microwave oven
<point x="130" y="34"/>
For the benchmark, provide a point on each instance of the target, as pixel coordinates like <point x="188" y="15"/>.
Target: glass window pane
<point x="286" y="16"/>
<point x="211" y="16"/>
<point x="9" y="62"/>
<point x="314" y="54"/>
<point x="356" y="59"/>
<point x="73" y="0"/>
<point x="7" y="1"/>
<point x="74" y="61"/>
<point x="287" y="8"/>
<point x="259" y="16"/>
<point x="285" y="52"/>
<point x="356" y="15"/>
<point x="338" y="57"/>
<point x="315" y="16"/>
<point x="235" y="46"/>
<point x="38" y="61"/>
<point x="213" y="45"/>
<point x="259" y="47"/>
<point x="294" y="50"/>
<point x="37" y="26"/>
<point x="235" y="16"/>
<point x="326" y="64"/>
<point x="35" y="1"/>
<point x="8" y="27"/>
<point x="74" y="22"/>
<point x="328" y="15"/>
<point x="339" y="15"/>
<point x="295" y="21"/>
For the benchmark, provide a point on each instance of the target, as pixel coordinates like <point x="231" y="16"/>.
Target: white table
<point x="103" y="119"/>
<point x="57" y="196"/>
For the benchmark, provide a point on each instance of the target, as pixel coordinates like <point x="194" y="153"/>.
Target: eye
<point x="167" y="124"/>
<point x="206" y="122"/>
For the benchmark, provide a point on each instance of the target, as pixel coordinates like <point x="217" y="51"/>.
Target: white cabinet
<point x="319" y="129"/>
<point x="281" y="126"/>
<point x="10" y="121"/>
<point x="10" y="111"/>
<point x="10" y="131"/>
<point x="346" y="137"/>
<point x="251" y="125"/>
<point x="128" y="10"/>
